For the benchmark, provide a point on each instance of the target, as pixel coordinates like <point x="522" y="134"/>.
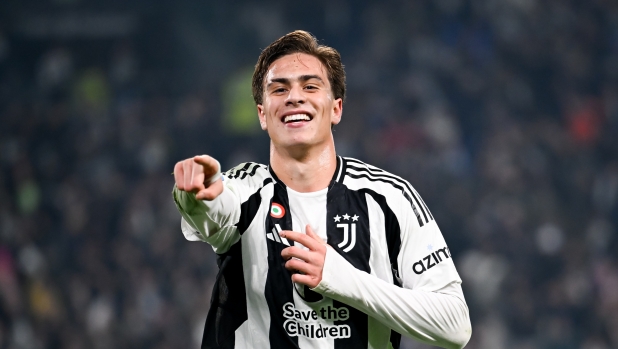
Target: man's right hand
<point x="191" y="174"/>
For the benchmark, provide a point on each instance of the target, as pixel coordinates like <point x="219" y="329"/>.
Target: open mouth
<point x="288" y="119"/>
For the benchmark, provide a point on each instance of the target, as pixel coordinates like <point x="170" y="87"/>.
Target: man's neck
<point x="306" y="170"/>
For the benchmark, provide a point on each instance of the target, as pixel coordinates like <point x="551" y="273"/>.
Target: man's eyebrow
<point x="286" y="81"/>
<point x="309" y="77"/>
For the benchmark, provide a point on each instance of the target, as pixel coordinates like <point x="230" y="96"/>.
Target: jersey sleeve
<point x="429" y="306"/>
<point x="210" y="221"/>
<point x="425" y="260"/>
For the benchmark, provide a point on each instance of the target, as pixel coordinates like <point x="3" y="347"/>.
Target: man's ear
<point x="337" y="111"/>
<point x="261" y="116"/>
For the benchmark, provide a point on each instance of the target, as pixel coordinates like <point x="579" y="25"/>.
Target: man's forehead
<point x="295" y="64"/>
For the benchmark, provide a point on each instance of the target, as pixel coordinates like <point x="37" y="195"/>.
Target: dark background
<point x="503" y="114"/>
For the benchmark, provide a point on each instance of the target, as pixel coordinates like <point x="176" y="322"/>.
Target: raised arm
<point x="209" y="208"/>
<point x="199" y="175"/>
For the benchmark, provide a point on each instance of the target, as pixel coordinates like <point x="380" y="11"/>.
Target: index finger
<point x="303" y="239"/>
<point x="209" y="163"/>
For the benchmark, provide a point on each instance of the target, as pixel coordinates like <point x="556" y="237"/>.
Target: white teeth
<point x="296" y="117"/>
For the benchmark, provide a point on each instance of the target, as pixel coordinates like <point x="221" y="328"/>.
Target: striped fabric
<point x="375" y="220"/>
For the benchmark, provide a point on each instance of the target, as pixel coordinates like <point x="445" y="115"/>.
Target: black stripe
<point x="275" y="178"/>
<point x="417" y="200"/>
<point x="401" y="181"/>
<point x="263" y="167"/>
<point x="249" y="208"/>
<point x="393" y="234"/>
<point x="228" y="309"/>
<point x="405" y="194"/>
<point x="233" y="171"/>
<point x="228" y="304"/>
<point x="341" y="203"/>
<point x="253" y="170"/>
<point x="393" y="241"/>
<point x="395" y="339"/>
<point x="425" y="205"/>
<point x="279" y="289"/>
<point x="242" y="170"/>
<point x="340" y="167"/>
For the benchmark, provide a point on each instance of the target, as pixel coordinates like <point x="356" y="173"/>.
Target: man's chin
<point x="297" y="144"/>
<point x="294" y="144"/>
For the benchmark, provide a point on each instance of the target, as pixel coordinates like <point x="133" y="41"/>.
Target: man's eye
<point x="311" y="87"/>
<point x="279" y="90"/>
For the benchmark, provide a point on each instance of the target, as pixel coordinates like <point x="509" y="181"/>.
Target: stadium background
<point x="502" y="113"/>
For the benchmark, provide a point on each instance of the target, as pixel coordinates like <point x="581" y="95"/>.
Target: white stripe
<point x="243" y="336"/>
<point x="251" y="165"/>
<point x="279" y="238"/>
<point x="353" y="242"/>
<point x="376" y="171"/>
<point x="345" y="234"/>
<point x="340" y="169"/>
<point x="321" y="343"/>
<point x="307" y="209"/>
<point x="276" y="235"/>
<point x="382" y="179"/>
<point x="255" y="270"/>
<point x="373" y="171"/>
<point x="378" y="333"/>
<point x="385" y="189"/>
<point x="379" y="176"/>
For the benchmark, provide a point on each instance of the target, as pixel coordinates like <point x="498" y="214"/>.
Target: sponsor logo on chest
<point x="311" y="323"/>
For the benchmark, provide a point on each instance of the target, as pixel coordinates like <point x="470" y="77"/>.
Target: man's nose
<point x="296" y="96"/>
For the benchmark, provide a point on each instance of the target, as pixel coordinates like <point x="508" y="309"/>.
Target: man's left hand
<point x="309" y="263"/>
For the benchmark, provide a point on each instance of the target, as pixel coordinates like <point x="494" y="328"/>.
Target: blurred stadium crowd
<point x="502" y="113"/>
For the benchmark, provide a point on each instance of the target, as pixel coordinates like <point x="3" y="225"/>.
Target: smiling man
<point x="316" y="250"/>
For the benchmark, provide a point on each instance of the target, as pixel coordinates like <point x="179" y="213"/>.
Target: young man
<point x="316" y="250"/>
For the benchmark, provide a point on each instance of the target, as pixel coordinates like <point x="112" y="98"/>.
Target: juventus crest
<point x="349" y="231"/>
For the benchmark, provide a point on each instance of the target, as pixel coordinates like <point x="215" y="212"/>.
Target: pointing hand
<point x="199" y="175"/>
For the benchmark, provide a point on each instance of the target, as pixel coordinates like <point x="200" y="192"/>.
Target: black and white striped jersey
<point x="388" y="270"/>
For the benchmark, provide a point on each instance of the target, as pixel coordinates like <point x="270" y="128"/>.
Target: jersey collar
<point x="337" y="176"/>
